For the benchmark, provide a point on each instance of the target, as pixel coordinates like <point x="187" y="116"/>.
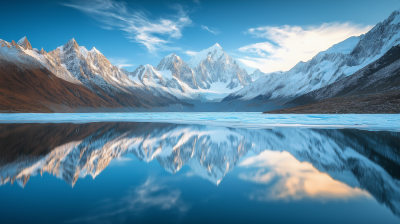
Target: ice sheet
<point x="374" y="122"/>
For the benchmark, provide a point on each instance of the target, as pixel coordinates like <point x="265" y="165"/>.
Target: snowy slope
<point x="380" y="76"/>
<point x="339" y="61"/>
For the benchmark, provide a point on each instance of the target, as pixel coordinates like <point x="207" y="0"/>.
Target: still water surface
<point x="129" y="172"/>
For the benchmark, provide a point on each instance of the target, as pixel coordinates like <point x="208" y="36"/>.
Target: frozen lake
<point x="390" y="122"/>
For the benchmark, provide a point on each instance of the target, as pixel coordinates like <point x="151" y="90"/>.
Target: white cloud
<point x="153" y="34"/>
<point x="288" y="45"/>
<point x="211" y="30"/>
<point x="196" y="1"/>
<point x="120" y="62"/>
<point x="190" y="53"/>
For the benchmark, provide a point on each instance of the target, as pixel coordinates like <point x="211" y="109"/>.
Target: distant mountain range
<point x="63" y="80"/>
<point x="210" y="75"/>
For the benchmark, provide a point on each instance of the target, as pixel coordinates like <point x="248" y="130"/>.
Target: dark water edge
<point x="193" y="106"/>
<point x="110" y="172"/>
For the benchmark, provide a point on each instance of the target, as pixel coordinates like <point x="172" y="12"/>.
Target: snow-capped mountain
<point x="92" y="69"/>
<point x="257" y="74"/>
<point x="28" y="86"/>
<point x="209" y="76"/>
<point x="380" y="76"/>
<point x="214" y="65"/>
<point x="23" y="42"/>
<point x="88" y="67"/>
<point x="159" y="82"/>
<point x="179" y="69"/>
<point x="368" y="161"/>
<point x="339" y="61"/>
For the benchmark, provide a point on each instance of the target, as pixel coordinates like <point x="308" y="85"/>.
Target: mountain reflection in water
<point x="294" y="163"/>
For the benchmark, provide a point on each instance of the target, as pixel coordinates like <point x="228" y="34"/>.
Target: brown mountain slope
<point x="27" y="86"/>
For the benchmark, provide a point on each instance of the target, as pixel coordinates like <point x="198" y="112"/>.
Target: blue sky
<point x="270" y="35"/>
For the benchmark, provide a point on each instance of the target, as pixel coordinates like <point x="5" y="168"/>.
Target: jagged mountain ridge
<point x="367" y="160"/>
<point x="327" y="67"/>
<point x="210" y="75"/>
<point x="171" y="80"/>
<point x="91" y="69"/>
<point x="28" y="86"/>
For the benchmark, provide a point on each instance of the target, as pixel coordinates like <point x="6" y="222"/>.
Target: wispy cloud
<point x="120" y="62"/>
<point x="196" y="1"/>
<point x="211" y="30"/>
<point x="154" y="34"/>
<point x="190" y="53"/>
<point x="288" y="45"/>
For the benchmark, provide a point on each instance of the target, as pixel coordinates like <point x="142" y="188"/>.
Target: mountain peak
<point x="70" y="44"/>
<point x="148" y="66"/>
<point x="42" y="51"/>
<point x="94" y="50"/>
<point x="22" y="39"/>
<point x="23" y="42"/>
<point x="257" y="74"/>
<point x="14" y="44"/>
<point x="395" y="17"/>
<point x="171" y="55"/>
<point x="215" y="52"/>
<point x="217" y="45"/>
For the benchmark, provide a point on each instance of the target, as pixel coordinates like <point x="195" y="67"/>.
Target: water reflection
<point x="290" y="179"/>
<point x="294" y="163"/>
